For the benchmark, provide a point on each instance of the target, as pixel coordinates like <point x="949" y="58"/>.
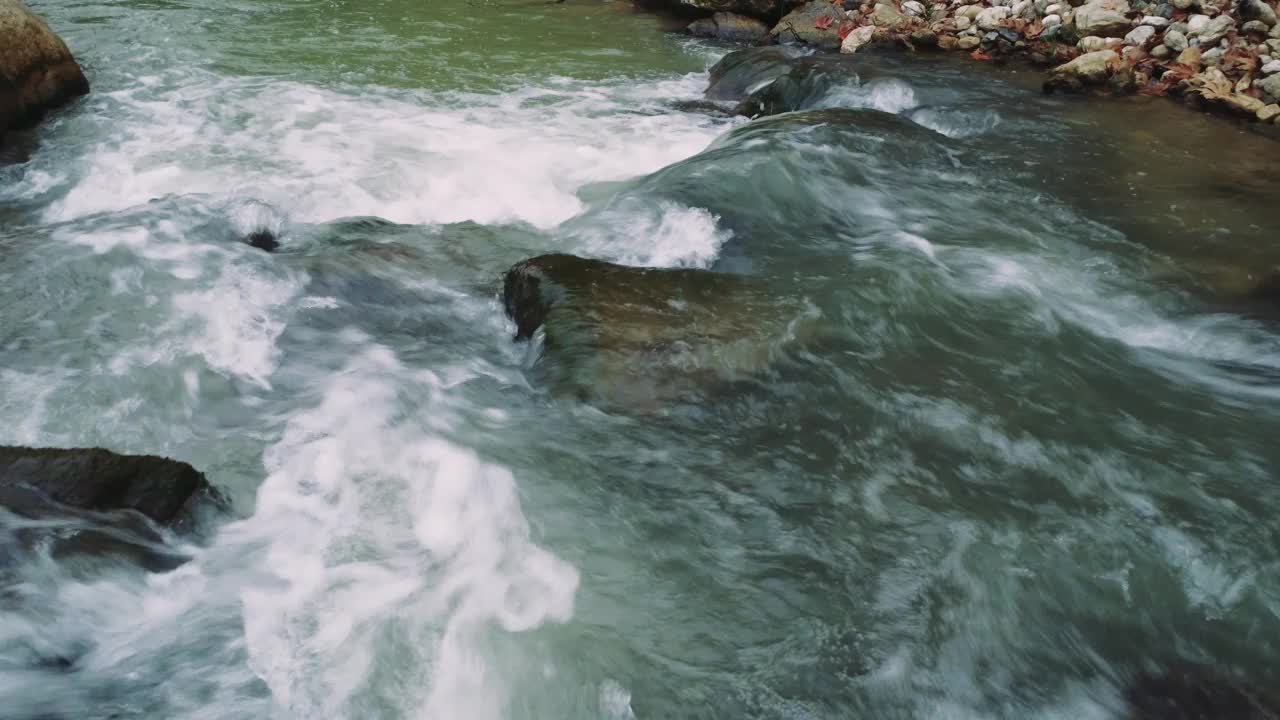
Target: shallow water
<point x="1028" y="454"/>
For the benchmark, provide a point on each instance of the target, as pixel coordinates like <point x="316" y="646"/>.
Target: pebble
<point x="1054" y="9"/>
<point x="963" y="23"/>
<point x="990" y="18"/>
<point x="968" y="43"/>
<point x="913" y="8"/>
<point x="1155" y="21"/>
<point x="1184" y="4"/>
<point x="1051" y="20"/>
<point x="1023" y="8"/>
<point x="1179" y="27"/>
<point x="1140" y="35"/>
<point x="1255" y="26"/>
<point x="1175" y="41"/>
<point x="1271" y="68"/>
<point x="1190" y="56"/>
<point x="1216" y="29"/>
<point x="1269" y="112"/>
<point x="1161" y="52"/>
<point x="1196" y="23"/>
<point x="1211" y="57"/>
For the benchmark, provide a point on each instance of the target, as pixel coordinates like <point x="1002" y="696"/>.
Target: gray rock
<point x="1092" y="44"/>
<point x="100" y="480"/>
<point x="1185" y="4"/>
<point x="1196" y="24"/>
<point x="1179" y="27"/>
<point x="37" y="71"/>
<point x="990" y="18"/>
<point x="1257" y="10"/>
<point x="1211" y="57"/>
<point x="1155" y="21"/>
<point x="1216" y="29"/>
<point x="1274" y="44"/>
<point x="743" y="70"/>
<point x="1164" y="10"/>
<point x="1051" y="20"/>
<point x="1270" y="85"/>
<point x="729" y="26"/>
<point x="1175" y="41"/>
<point x="1103" y="18"/>
<point x="1255" y="26"/>
<point x="1271" y="68"/>
<point x="913" y="8"/>
<point x="1161" y="52"/>
<point x="1140" y="35"/>
<point x="801" y="25"/>
<point x="1090" y="69"/>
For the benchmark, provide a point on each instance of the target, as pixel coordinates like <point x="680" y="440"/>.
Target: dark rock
<point x="1164" y="10"/>
<point x="924" y="39"/>
<point x="769" y="10"/>
<point x="1197" y="693"/>
<point x="730" y="27"/>
<point x="262" y="239"/>
<point x="739" y="72"/>
<point x="635" y="337"/>
<point x="816" y="23"/>
<point x="37" y="71"/>
<point x="1009" y="35"/>
<point x="94" y="479"/>
<point x="1257" y="10"/>
<point x="807" y="82"/>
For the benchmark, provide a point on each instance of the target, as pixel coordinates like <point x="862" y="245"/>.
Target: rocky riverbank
<point x="1217" y="54"/>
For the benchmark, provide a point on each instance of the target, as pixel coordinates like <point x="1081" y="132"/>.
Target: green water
<point x="1021" y="454"/>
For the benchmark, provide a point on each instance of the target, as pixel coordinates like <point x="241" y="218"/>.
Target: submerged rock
<point x="262" y="239"/>
<point x="729" y="26"/>
<point x="738" y="73"/>
<point x="161" y="489"/>
<point x="636" y="337"/>
<point x="1197" y="693"/>
<point x="806" y="84"/>
<point x="37" y="71"/>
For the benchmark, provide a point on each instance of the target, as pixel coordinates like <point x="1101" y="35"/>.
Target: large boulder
<point x="1103" y="18"/>
<point x="764" y="9"/>
<point x="816" y="23"/>
<point x="634" y="338"/>
<point x="161" y="489"/>
<point x="37" y="71"/>
<point x="729" y="26"/>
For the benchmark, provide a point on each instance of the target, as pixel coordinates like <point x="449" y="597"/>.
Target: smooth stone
<point x="729" y="26"/>
<point x="1267" y="113"/>
<point x="962" y="22"/>
<point x="1216" y="29"/>
<point x="968" y="42"/>
<point x="1197" y="23"/>
<point x="1155" y="21"/>
<point x="969" y="11"/>
<point x="1140" y="35"/>
<point x="1257" y="10"/>
<point x="1271" y="68"/>
<point x="1185" y="5"/>
<point x="1211" y="57"/>
<point x="1190" y="57"/>
<point x="913" y="8"/>
<point x="1270" y="85"/>
<point x="1051" y="20"/>
<point x="37" y="71"/>
<point x="1023" y="8"/>
<point x="857" y="39"/>
<point x="740" y="71"/>
<point x="1090" y="69"/>
<point x="1092" y="44"/>
<point x="1175" y="41"/>
<point x="1161" y="52"/>
<point x="1255" y="26"/>
<point x="990" y="18"/>
<point x="1105" y="18"/>
<point x="1054" y="9"/>
<point x="1164" y="10"/>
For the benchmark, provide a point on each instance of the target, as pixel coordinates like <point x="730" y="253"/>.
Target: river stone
<point x="741" y="71"/>
<point x="968" y="42"/>
<point x="857" y="39"/>
<point x="913" y="8"/>
<point x="1051" y="20"/>
<point x="802" y="25"/>
<point x="1092" y="44"/>
<point x="962" y="22"/>
<point x="1140" y="35"/>
<point x="100" y="480"/>
<point x="1185" y="5"/>
<point x="1215" y="30"/>
<point x="1155" y="21"/>
<point x="1270" y="85"/>
<point x="1254" y="26"/>
<point x="990" y="18"/>
<point x="1271" y="68"/>
<point x="1161" y="52"/>
<point x="1269" y="112"/>
<point x="635" y="337"/>
<point x="1190" y="57"/>
<point x="729" y="26"/>
<point x="1197" y="23"/>
<point x="1090" y="69"/>
<point x="1257" y="10"/>
<point x="887" y="16"/>
<point x="1105" y="18"/>
<point x="37" y="71"/>
<point x="1175" y="41"/>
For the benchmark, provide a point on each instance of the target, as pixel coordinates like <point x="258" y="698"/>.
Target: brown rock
<point x="37" y="71"/>
<point x="1090" y="69"/>
<point x="948" y="42"/>
<point x="1190" y="57"/>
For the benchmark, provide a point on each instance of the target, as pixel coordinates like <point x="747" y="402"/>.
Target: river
<point x="1028" y="454"/>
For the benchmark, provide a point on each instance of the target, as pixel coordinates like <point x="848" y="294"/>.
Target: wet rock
<point x="37" y="71"/>
<point x="968" y="43"/>
<point x="922" y="39"/>
<point x="816" y="23"/>
<point x="1105" y="18"/>
<point x="1091" y="69"/>
<point x="1189" y="692"/>
<point x="1175" y="41"/>
<point x="856" y="39"/>
<point x="635" y="338"/>
<point x="1257" y="10"/>
<point x="263" y="240"/>
<point x="809" y="80"/>
<point x="95" y="479"/>
<point x="740" y="71"/>
<point x="729" y="26"/>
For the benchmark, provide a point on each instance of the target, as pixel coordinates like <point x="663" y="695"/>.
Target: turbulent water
<point x="1027" y="454"/>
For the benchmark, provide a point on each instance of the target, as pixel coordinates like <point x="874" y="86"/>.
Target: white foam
<point x="668" y="235"/>
<point x="889" y="95"/>
<point x="318" y="154"/>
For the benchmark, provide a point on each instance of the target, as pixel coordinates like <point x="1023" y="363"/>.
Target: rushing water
<point x="1029" y="454"/>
